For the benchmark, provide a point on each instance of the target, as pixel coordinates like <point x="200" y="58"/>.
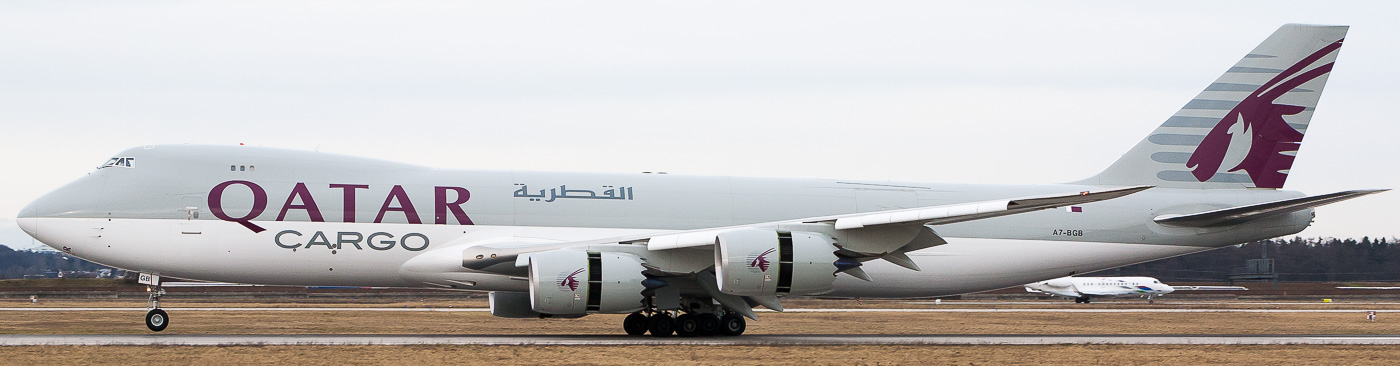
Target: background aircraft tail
<point x="1244" y="129"/>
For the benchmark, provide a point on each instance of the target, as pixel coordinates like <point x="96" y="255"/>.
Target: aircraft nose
<point x="75" y="199"/>
<point x="30" y="210"/>
<point x="28" y="218"/>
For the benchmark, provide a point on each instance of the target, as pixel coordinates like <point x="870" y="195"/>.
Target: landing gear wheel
<point x="635" y="324"/>
<point x="157" y="320"/>
<point x="687" y="325"/>
<point x="661" y="325"/>
<point x="708" y="324"/>
<point x="732" y="325"/>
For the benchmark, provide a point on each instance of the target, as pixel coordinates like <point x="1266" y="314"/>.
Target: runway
<point x="924" y="310"/>
<point x="617" y="340"/>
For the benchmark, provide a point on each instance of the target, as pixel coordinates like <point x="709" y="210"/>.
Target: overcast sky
<point x="976" y="92"/>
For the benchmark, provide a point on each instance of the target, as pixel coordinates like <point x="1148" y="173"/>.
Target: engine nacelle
<point x="571" y="282"/>
<point x="758" y="262"/>
<point x="511" y="305"/>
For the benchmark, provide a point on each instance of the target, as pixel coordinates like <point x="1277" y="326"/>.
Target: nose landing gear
<point x="156" y="319"/>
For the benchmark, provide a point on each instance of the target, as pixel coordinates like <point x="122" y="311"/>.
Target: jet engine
<point x="759" y="262"/>
<point x="572" y="282"/>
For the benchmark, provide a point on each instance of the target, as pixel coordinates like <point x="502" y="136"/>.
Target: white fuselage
<point x="185" y="212"/>
<point x="1082" y="287"/>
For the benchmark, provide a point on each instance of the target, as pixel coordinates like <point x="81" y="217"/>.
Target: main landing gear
<point x="156" y="319"/>
<point x="662" y="324"/>
<point x="1081" y="300"/>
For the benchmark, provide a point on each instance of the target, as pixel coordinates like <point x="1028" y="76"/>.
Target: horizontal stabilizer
<point x="1242" y="214"/>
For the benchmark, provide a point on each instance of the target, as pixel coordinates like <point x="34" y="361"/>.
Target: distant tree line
<point x="1296" y="259"/>
<point x="17" y="263"/>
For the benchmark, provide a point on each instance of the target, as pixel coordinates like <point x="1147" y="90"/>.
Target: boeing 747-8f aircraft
<point x="691" y="254"/>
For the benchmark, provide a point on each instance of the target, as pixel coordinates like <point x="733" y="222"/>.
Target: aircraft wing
<point x="1242" y="214"/>
<point x="490" y="255"/>
<point x="934" y="215"/>
<point x="949" y="214"/>
<point x="859" y="237"/>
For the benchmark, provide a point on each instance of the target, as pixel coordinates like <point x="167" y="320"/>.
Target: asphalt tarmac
<point x="617" y="340"/>
<point x="978" y="310"/>
<point x="749" y="340"/>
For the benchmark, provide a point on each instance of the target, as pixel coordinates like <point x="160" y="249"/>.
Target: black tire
<point x="635" y="324"/>
<point x="687" y="325"/>
<point x="708" y="324"/>
<point x="157" y="320"/>
<point x="661" y="325"/>
<point x="732" y="325"/>
<point x="1086" y="299"/>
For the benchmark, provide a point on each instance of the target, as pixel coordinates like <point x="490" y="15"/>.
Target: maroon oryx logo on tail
<point x="1263" y="119"/>
<point x="569" y="280"/>
<point x="760" y="261"/>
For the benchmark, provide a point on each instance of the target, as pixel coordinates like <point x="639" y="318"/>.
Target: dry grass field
<point x="708" y="355"/>
<point x="479" y="323"/>
<point x="1009" y="321"/>
<point x="1005" y="321"/>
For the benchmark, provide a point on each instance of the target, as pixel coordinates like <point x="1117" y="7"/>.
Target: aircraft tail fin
<point x="1244" y="130"/>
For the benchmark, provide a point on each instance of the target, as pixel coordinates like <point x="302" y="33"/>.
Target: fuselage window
<point x="241" y="168"/>
<point x="232" y="168"/>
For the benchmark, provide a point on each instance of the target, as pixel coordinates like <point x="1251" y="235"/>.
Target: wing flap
<point x="1243" y="214"/>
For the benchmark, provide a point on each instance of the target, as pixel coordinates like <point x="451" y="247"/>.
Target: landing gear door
<point x="148" y="279"/>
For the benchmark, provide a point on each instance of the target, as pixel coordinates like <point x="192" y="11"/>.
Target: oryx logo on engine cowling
<point x="569" y="280"/>
<point x="758" y="262"/>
